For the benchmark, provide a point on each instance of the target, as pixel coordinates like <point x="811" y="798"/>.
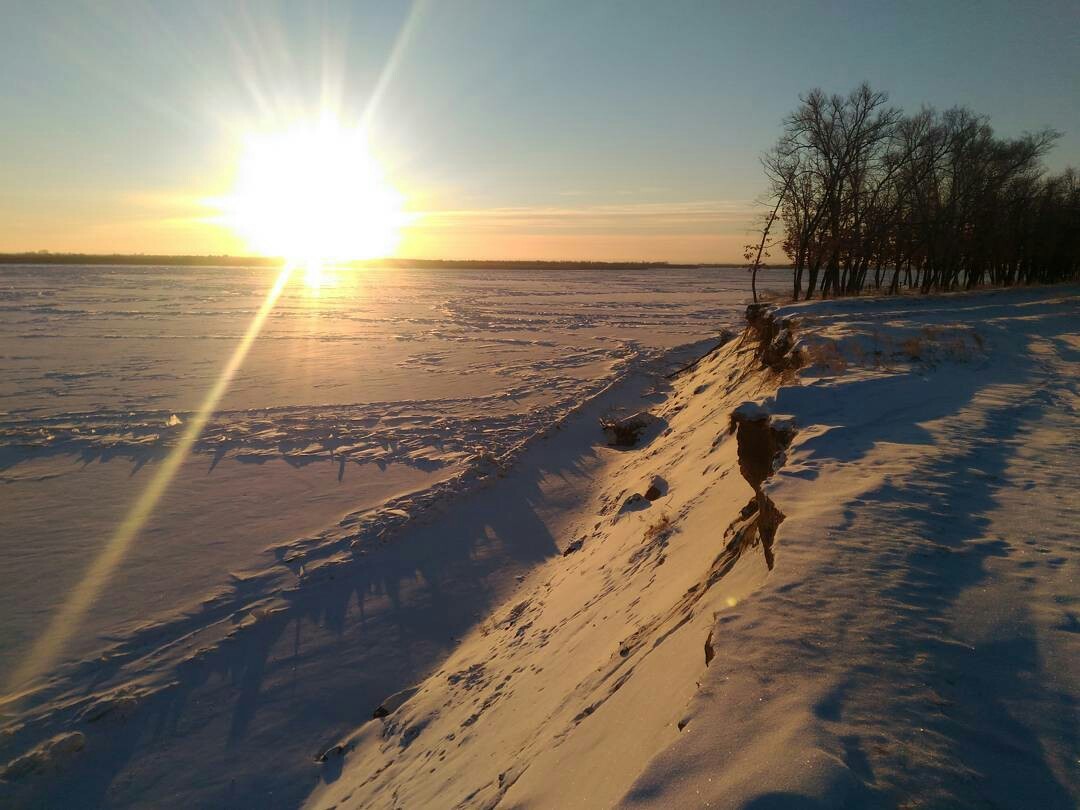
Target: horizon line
<point x="209" y="259"/>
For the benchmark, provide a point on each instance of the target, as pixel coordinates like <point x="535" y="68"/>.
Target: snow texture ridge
<point x="906" y="638"/>
<point x="832" y="562"/>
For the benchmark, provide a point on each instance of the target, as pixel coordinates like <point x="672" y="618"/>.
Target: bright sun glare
<point x="312" y="194"/>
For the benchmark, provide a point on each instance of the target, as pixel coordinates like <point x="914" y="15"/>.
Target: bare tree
<point x="867" y="196"/>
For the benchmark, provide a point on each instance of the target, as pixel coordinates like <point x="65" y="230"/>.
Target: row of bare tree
<point x="869" y="196"/>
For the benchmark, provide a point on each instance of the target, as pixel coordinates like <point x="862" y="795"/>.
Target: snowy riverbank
<point x="580" y="625"/>
<point x="914" y="645"/>
<point x="371" y="385"/>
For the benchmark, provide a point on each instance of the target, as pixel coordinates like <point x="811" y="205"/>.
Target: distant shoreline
<point x="263" y="261"/>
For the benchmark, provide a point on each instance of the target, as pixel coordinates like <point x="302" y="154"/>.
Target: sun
<point x="314" y="194"/>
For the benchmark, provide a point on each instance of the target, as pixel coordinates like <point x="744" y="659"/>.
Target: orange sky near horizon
<point x="552" y="131"/>
<point x="699" y="232"/>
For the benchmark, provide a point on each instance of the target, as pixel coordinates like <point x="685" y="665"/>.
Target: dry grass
<point x="913" y="348"/>
<point x="661" y="527"/>
<point x="771" y="296"/>
<point x="653" y="544"/>
<point x="826" y="354"/>
<point x="935" y="344"/>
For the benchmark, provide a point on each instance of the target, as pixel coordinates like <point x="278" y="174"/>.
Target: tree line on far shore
<point x="45" y="257"/>
<point x="869" y="197"/>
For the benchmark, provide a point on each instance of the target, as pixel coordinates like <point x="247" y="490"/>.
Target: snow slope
<point x="908" y="467"/>
<point x="221" y="652"/>
<point x="376" y="384"/>
<point x="229" y="703"/>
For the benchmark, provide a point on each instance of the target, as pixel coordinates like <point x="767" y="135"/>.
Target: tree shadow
<point x="984" y="746"/>
<point x="309" y="664"/>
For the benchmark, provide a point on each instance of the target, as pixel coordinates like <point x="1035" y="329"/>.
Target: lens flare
<point x="66" y="620"/>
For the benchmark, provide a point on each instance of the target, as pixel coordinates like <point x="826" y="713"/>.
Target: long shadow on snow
<point x="981" y="737"/>
<point x="314" y="669"/>
<point x="985" y="742"/>
<point x="986" y="751"/>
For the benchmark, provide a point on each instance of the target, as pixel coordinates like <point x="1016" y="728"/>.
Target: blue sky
<point x="518" y="129"/>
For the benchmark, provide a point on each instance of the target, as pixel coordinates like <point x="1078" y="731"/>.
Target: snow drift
<point x="831" y="563"/>
<point x="906" y="634"/>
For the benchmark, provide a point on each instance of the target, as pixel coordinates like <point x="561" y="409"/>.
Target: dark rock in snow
<point x="574" y="546"/>
<point x="625" y="432"/>
<point x="658" y="488"/>
<point x="394" y="702"/>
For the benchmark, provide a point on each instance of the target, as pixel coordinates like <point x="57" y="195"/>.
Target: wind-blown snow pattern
<point x="913" y="643"/>
<point x="835" y="566"/>
<point x="916" y="645"/>
<point x="363" y="408"/>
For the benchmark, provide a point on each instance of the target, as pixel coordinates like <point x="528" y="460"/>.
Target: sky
<point x="512" y="129"/>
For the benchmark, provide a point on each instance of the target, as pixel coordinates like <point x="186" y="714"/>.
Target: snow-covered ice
<point x="362" y="405"/>
<point x="837" y="569"/>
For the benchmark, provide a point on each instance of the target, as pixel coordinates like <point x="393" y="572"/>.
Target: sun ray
<point x="66" y="619"/>
<point x="310" y="194"/>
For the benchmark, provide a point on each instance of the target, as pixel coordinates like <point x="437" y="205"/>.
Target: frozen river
<point x="369" y="385"/>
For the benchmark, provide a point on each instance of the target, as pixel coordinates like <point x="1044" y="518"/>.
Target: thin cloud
<point x="677" y="217"/>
